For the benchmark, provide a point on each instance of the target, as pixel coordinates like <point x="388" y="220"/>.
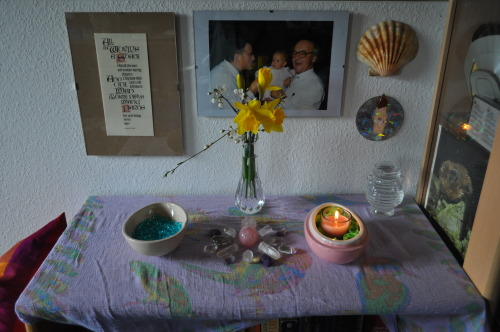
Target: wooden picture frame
<point x="451" y="108"/>
<point x="159" y="29"/>
<point x="267" y="32"/>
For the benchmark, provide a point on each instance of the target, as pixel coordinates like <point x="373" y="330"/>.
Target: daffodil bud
<point x="240" y="82"/>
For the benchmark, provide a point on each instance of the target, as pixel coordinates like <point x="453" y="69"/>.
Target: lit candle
<point x="337" y="224"/>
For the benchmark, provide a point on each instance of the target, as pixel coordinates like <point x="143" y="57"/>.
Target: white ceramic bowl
<point x="328" y="249"/>
<point x="156" y="247"/>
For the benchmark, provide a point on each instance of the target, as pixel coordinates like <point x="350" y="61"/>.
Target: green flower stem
<point x="248" y="173"/>
<point x="248" y="166"/>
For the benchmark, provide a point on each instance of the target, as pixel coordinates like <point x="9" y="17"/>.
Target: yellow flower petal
<point x="274" y="88"/>
<point x="279" y="117"/>
<point x="265" y="118"/>
<point x="272" y="104"/>
<point x="240" y="106"/>
<point x="246" y="118"/>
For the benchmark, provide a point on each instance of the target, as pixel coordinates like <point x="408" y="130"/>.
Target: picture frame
<point x="158" y="80"/>
<point x="271" y="31"/>
<point x="462" y="70"/>
<point x="457" y="175"/>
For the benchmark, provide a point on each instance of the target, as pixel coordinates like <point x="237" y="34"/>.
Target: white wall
<point x="44" y="167"/>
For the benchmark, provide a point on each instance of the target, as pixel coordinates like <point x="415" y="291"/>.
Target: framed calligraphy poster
<point x="127" y="92"/>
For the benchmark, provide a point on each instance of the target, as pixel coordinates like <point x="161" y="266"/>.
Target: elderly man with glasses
<point x="306" y="91"/>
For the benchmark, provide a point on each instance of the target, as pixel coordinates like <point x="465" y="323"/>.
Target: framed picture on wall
<point x="305" y="50"/>
<point x="127" y="92"/>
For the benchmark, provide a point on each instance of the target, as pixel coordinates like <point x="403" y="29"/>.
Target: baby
<point x="280" y="71"/>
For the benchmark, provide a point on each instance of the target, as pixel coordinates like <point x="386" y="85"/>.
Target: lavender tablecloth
<point x="94" y="279"/>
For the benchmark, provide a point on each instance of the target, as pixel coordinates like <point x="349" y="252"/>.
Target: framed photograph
<point x="127" y="92"/>
<point x="305" y="50"/>
<point x="457" y="176"/>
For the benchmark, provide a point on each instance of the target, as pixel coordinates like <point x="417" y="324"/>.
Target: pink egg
<point x="248" y="236"/>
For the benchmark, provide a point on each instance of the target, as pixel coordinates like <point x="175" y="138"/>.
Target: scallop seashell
<point x="387" y="46"/>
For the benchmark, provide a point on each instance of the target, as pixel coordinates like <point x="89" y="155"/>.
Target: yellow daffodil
<point x="271" y="117"/>
<point x="264" y="79"/>
<point x="250" y="115"/>
<point x="246" y="118"/>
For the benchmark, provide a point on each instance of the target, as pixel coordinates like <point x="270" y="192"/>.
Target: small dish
<point x="155" y="247"/>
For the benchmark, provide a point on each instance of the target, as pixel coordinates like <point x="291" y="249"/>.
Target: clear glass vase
<point x="249" y="195"/>
<point x="384" y="190"/>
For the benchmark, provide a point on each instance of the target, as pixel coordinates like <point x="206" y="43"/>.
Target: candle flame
<point x="336" y="215"/>
<point x="466" y="126"/>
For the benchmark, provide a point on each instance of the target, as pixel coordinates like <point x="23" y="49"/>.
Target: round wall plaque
<point x="379" y="118"/>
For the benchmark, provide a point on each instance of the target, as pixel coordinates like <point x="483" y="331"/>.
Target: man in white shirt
<point x="306" y="91"/>
<point x="224" y="74"/>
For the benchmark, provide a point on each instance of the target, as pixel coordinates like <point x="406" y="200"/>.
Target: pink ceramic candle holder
<point x="330" y="249"/>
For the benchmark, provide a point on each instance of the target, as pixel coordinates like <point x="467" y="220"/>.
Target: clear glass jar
<point x="384" y="190"/>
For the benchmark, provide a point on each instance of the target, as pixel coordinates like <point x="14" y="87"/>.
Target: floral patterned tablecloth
<point x="94" y="279"/>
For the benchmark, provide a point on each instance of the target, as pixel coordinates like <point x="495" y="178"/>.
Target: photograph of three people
<point x="305" y="52"/>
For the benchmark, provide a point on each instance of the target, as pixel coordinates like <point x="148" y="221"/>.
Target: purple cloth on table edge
<point x="407" y="274"/>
